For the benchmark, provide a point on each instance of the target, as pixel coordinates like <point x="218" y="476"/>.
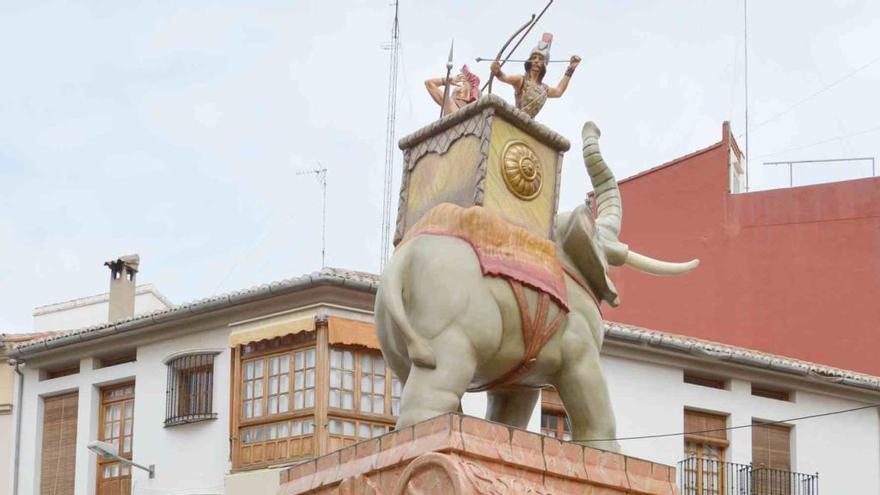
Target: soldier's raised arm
<point x="563" y="84"/>
<point x="514" y="81"/>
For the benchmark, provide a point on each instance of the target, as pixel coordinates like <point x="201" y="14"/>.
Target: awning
<point x="247" y="335"/>
<point x="352" y="332"/>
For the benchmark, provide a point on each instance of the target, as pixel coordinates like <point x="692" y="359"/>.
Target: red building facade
<point x="790" y="271"/>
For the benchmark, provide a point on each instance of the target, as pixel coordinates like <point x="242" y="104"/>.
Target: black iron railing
<point x="189" y="395"/>
<point x="697" y="476"/>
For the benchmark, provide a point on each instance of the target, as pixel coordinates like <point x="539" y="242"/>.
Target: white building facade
<point x="658" y="383"/>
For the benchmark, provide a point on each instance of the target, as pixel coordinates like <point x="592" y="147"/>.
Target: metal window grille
<point x="189" y="395"/>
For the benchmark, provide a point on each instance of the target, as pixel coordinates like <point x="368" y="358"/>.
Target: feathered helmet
<point x="473" y="80"/>
<point x="542" y="49"/>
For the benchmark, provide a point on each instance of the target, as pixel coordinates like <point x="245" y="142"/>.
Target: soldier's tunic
<point x="531" y="98"/>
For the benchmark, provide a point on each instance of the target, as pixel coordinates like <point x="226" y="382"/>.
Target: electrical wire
<point x="817" y="93"/>
<point x="831" y="140"/>
<point x="738" y="427"/>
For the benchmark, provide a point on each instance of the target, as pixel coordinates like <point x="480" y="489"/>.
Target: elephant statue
<point x="445" y="328"/>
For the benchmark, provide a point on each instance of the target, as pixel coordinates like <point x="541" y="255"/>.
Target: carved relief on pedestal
<point x="360" y="485"/>
<point x="435" y="473"/>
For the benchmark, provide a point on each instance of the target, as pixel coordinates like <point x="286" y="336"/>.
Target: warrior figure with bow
<point x="529" y="89"/>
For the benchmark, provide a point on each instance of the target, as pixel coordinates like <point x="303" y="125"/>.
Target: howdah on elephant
<point x="446" y="328"/>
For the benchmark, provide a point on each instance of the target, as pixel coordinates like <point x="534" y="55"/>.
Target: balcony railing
<point x="712" y="477"/>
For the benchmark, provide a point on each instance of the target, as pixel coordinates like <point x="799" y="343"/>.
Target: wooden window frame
<point x="124" y="470"/>
<point x="292" y="413"/>
<point x="771" y="393"/>
<point x="704" y="381"/>
<point x="701" y="440"/>
<point x="355" y="412"/>
<point x="61" y="372"/>
<point x="265" y="351"/>
<point x="129" y="357"/>
<point x="243" y="457"/>
<point x="562" y="421"/>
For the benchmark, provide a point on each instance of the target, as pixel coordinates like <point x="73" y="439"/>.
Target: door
<point x="116" y="427"/>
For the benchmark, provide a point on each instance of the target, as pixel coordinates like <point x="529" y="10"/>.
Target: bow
<point x="528" y="27"/>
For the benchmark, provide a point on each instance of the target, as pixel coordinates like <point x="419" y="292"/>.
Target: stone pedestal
<point x="456" y="455"/>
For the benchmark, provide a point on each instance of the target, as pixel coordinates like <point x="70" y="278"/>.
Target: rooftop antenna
<point x="389" y="141"/>
<point x="320" y="173"/>
<point x="746" y="78"/>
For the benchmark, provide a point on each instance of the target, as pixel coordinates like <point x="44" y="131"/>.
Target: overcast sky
<point x="177" y="132"/>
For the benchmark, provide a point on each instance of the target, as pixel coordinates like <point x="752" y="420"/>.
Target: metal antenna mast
<point x="746" y="79"/>
<point x="389" y="142"/>
<point x="321" y="174"/>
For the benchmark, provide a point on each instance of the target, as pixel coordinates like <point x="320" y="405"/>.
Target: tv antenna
<point x="389" y="141"/>
<point x="320" y="173"/>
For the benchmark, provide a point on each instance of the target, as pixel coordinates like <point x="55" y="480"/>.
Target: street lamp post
<point x="108" y="450"/>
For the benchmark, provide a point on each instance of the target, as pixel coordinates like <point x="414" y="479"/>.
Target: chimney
<point x="123" y="279"/>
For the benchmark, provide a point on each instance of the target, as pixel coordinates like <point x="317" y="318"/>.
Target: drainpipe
<point x="17" y="427"/>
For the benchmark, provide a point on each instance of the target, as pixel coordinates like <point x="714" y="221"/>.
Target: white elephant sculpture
<point x="445" y="328"/>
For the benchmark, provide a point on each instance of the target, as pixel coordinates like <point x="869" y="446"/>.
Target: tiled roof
<point x="10" y="340"/>
<point x="739" y="355"/>
<point x="617" y="332"/>
<point x="327" y="276"/>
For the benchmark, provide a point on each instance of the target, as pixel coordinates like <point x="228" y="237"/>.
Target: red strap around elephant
<point x="535" y="334"/>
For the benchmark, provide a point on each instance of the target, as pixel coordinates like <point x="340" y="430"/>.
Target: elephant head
<point x="591" y="245"/>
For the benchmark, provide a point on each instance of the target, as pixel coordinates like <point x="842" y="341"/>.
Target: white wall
<point x="189" y="458"/>
<point x="648" y="395"/>
<point x="90" y="311"/>
<point x="650" y="399"/>
<point x="474" y="404"/>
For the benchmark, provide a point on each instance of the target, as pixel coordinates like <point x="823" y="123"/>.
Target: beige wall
<point x="7" y="383"/>
<point x="259" y="482"/>
<point x="7" y="421"/>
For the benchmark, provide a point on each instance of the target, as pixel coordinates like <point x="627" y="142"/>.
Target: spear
<point x="448" y="72"/>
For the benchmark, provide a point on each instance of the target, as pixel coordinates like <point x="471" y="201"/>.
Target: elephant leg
<point x="430" y="392"/>
<point x="512" y="406"/>
<point x="582" y="388"/>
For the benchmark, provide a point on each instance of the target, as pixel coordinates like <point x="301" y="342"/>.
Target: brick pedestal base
<point x="457" y="455"/>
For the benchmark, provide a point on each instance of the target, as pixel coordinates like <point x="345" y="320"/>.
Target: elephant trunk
<point x="610" y="213"/>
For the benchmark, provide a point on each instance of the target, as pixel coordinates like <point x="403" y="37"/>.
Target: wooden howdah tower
<point x="487" y="154"/>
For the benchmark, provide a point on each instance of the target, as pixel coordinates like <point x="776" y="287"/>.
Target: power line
<point x="763" y="423"/>
<point x="838" y="138"/>
<point x="817" y="93"/>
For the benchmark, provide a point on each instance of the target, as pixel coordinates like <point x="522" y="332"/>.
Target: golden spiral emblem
<point x="522" y="170"/>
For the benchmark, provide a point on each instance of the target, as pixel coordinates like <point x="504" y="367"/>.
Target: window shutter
<point x="697" y="421"/>
<point x="771" y="446"/>
<point x="59" y="444"/>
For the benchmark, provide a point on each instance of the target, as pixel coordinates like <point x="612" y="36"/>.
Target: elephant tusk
<point x="645" y="264"/>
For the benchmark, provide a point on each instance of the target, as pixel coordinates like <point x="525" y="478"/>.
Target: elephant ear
<point x="579" y="241"/>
